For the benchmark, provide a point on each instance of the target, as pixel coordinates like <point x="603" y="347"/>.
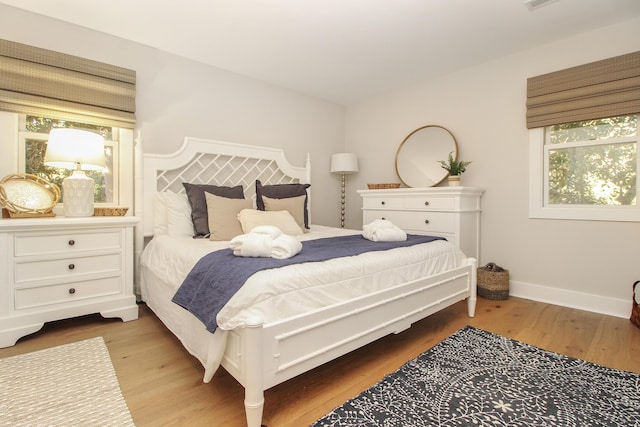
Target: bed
<point x="338" y="306"/>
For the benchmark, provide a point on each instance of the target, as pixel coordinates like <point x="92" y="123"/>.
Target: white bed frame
<point x="262" y="355"/>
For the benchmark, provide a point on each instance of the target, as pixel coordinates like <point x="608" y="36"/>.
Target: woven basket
<point x="493" y="284"/>
<point x="635" y="307"/>
<point x="117" y="211"/>
<point x="383" y="186"/>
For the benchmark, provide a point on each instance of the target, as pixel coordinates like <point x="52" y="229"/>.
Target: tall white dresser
<point x="55" y="268"/>
<point x="450" y="212"/>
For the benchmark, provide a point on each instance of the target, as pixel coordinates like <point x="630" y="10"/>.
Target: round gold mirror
<point x="417" y="159"/>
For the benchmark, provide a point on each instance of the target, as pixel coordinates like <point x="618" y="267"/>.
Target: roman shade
<point x="52" y="84"/>
<point x="600" y="89"/>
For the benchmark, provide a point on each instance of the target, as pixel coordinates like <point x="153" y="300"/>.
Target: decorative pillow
<point x="293" y="205"/>
<point x="283" y="191"/>
<point x="223" y="216"/>
<point x="251" y="218"/>
<point x="178" y="215"/>
<point x="195" y="193"/>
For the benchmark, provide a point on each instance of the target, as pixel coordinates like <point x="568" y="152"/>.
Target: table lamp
<point x="79" y="150"/>
<point x="343" y="163"/>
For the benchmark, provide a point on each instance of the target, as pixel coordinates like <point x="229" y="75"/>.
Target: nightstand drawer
<point x="436" y="222"/>
<point x="67" y="292"/>
<point x="410" y="203"/>
<point x="66" y="268"/>
<point x="48" y="243"/>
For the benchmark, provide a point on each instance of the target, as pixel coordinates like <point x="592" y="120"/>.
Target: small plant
<point x="454" y="167"/>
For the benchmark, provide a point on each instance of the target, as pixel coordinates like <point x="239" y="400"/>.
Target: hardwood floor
<point x="163" y="386"/>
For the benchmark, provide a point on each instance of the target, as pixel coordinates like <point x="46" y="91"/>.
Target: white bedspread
<point x="280" y="293"/>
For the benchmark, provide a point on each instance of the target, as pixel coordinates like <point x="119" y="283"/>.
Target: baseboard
<point x="579" y="300"/>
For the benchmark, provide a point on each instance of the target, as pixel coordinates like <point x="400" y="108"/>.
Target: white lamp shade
<point x="344" y="163"/>
<point x="68" y="148"/>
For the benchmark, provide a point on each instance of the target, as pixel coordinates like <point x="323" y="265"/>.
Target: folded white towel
<point x="265" y="241"/>
<point x="380" y="223"/>
<point x="269" y="230"/>
<point x="285" y="246"/>
<point x="251" y="245"/>
<point x="382" y="230"/>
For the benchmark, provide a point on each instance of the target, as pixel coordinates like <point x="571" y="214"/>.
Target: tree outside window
<point x="36" y="131"/>
<point x="592" y="162"/>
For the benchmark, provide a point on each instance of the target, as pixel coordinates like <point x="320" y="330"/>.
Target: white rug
<point x="70" y="385"/>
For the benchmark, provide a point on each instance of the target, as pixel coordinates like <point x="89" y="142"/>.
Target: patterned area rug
<point x="476" y="378"/>
<point x="70" y="385"/>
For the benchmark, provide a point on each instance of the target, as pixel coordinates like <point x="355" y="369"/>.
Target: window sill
<point x="585" y="213"/>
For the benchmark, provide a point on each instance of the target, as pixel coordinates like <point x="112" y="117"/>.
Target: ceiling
<point x="344" y="51"/>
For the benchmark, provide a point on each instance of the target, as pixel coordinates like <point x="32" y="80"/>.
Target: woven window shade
<point x="46" y="83"/>
<point x="606" y="88"/>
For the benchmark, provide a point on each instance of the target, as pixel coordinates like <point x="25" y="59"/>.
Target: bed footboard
<point x="260" y="356"/>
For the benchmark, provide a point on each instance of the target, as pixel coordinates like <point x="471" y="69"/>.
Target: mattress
<point x="279" y="293"/>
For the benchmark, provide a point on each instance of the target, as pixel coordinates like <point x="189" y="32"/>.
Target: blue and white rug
<point x="476" y="378"/>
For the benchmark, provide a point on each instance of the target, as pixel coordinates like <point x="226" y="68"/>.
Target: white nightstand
<point x="450" y="212"/>
<point x="56" y="268"/>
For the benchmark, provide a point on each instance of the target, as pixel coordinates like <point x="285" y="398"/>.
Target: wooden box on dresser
<point x="450" y="212"/>
<point x="56" y="268"/>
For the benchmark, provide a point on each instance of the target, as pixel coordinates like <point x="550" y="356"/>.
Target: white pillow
<point x="251" y="218"/>
<point x="179" y="221"/>
<point x="159" y="214"/>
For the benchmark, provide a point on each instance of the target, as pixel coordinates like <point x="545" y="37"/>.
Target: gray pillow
<point x="283" y="191"/>
<point x="198" y="202"/>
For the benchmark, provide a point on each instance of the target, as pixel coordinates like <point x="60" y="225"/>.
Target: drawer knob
<point x="426" y="221"/>
<point x="383" y="218"/>
<point x="72" y="266"/>
<point x="72" y="242"/>
<point x="382" y="202"/>
<point x="72" y="291"/>
<point x="426" y="203"/>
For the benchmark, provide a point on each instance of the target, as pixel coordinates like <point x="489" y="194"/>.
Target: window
<point x="33" y="135"/>
<point x="586" y="170"/>
<point x="42" y="89"/>
<point x="22" y="152"/>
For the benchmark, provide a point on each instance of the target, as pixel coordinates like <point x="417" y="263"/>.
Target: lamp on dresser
<point x="79" y="150"/>
<point x="343" y="163"/>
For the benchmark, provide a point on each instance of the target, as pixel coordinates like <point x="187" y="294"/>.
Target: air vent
<point x="535" y="4"/>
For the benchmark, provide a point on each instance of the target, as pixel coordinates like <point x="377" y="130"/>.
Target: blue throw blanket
<point x="217" y="276"/>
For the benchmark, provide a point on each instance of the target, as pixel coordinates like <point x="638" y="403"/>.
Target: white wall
<point x="588" y="264"/>
<point x="177" y="97"/>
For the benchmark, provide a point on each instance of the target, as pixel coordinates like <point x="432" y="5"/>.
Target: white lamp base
<point x="77" y="195"/>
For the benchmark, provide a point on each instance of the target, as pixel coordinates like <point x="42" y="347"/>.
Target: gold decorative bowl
<point x="28" y="196"/>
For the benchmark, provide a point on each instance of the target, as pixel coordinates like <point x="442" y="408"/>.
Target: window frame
<point x="114" y="145"/>
<point x="13" y="134"/>
<point x="538" y="189"/>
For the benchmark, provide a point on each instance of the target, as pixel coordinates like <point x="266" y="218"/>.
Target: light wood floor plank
<point x="162" y="382"/>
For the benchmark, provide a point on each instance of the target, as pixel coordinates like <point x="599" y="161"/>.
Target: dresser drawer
<point x="71" y="241"/>
<point x="67" y="292"/>
<point x="66" y="268"/>
<point x="435" y="222"/>
<point x="409" y="203"/>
